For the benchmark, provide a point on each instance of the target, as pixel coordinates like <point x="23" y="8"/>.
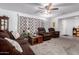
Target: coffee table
<point x="36" y="39"/>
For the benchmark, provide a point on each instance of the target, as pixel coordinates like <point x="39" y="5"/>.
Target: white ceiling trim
<point x="68" y="15"/>
<point x="21" y="14"/>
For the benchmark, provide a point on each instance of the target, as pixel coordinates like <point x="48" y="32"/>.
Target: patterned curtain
<point x="28" y="22"/>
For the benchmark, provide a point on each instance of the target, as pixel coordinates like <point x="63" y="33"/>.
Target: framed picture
<point x="53" y="24"/>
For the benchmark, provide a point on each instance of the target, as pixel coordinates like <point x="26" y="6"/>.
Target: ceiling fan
<point x="48" y="8"/>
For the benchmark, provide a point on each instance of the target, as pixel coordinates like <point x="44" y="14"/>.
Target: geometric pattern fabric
<point x="29" y="22"/>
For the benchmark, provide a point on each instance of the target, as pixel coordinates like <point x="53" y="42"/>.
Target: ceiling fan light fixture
<point x="47" y="8"/>
<point x="46" y="15"/>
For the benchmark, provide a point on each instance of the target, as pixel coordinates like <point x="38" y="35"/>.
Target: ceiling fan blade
<point x="49" y="6"/>
<point x="54" y="8"/>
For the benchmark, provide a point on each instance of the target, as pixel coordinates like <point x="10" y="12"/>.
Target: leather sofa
<point x="6" y="48"/>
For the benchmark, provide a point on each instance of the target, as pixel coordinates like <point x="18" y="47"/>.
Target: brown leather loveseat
<point x="42" y="31"/>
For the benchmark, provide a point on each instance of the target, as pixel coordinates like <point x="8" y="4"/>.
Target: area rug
<point x="57" y="46"/>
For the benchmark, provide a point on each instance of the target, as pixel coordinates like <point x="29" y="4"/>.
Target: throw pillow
<point x="16" y="35"/>
<point x="15" y="44"/>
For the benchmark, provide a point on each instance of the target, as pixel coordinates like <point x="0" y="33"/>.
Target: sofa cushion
<point x="15" y="44"/>
<point x="5" y="46"/>
<point x="4" y="34"/>
<point x="11" y="35"/>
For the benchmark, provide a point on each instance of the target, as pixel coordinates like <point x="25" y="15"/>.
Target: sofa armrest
<point x="15" y="52"/>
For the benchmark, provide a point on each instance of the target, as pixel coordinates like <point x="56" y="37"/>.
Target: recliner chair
<point x="46" y="35"/>
<point x="54" y="33"/>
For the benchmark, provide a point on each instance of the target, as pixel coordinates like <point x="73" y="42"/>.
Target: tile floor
<point x="58" y="46"/>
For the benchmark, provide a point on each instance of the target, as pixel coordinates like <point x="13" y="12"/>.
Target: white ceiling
<point x="32" y="8"/>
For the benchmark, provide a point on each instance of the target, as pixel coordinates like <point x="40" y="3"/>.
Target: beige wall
<point x="54" y="20"/>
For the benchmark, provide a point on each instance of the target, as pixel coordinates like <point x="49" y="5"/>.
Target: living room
<point x="48" y="27"/>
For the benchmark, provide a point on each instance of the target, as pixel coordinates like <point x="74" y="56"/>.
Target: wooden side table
<point x="40" y="39"/>
<point x="36" y="39"/>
